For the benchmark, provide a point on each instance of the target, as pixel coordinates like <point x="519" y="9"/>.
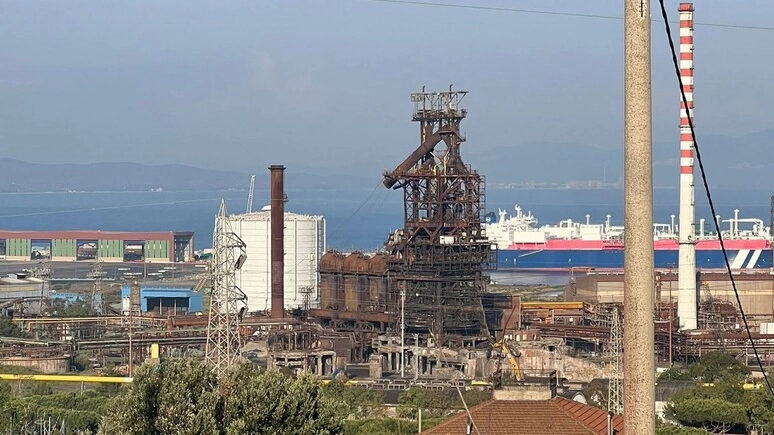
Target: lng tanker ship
<point x="522" y="244"/>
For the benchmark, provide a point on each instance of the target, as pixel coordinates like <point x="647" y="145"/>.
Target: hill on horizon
<point x="17" y="176"/>
<point x="730" y="162"/>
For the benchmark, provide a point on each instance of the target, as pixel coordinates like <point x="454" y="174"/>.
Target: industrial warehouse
<point x="106" y="246"/>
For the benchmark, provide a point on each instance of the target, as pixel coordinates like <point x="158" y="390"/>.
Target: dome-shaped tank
<point x="332" y="261"/>
<point x="378" y="263"/>
<point x="356" y="262"/>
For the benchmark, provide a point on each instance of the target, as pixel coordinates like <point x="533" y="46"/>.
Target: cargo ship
<point x="524" y="245"/>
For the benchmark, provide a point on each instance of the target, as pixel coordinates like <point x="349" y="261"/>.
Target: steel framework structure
<point x="615" y="353"/>
<point x="228" y="256"/>
<point x="440" y="257"/>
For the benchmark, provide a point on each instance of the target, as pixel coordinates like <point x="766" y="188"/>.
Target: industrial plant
<point x="422" y="311"/>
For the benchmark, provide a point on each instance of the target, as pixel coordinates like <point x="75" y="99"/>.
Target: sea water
<point x="356" y="219"/>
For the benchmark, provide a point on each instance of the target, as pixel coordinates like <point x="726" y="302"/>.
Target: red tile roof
<point x="591" y="417"/>
<point x="530" y="417"/>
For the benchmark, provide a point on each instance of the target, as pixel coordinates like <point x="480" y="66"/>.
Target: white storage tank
<point x="305" y="243"/>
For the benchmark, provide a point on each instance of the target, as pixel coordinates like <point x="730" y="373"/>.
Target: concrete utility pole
<point x="639" y="363"/>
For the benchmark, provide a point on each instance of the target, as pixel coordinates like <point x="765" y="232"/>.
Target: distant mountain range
<point x="19" y="176"/>
<point x="732" y="162"/>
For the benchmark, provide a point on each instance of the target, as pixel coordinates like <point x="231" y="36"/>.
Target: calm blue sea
<point x="356" y="218"/>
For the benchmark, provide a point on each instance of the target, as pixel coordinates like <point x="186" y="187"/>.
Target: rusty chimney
<point x="277" y="241"/>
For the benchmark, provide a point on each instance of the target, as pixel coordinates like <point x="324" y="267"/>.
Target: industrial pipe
<point x="277" y="205"/>
<point x="67" y="378"/>
<point x="431" y="140"/>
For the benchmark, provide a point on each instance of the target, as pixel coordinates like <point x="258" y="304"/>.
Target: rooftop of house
<point x="530" y="417"/>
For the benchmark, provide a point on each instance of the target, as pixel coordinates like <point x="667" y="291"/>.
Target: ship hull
<point x="565" y="259"/>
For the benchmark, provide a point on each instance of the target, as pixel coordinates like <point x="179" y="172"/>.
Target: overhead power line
<point x="556" y="13"/>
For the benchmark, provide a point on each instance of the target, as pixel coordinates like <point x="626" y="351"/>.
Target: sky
<point x="324" y="85"/>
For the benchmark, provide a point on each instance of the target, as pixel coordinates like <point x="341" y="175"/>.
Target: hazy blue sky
<point x="244" y="84"/>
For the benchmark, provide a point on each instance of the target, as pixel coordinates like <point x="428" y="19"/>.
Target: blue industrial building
<point x="165" y="300"/>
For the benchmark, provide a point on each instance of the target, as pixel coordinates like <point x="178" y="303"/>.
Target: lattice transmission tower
<point x="43" y="272"/>
<point x="96" y="291"/>
<point x="227" y="301"/>
<point x="615" y="353"/>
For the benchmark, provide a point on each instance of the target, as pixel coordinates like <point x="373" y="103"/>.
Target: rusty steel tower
<point x="439" y="259"/>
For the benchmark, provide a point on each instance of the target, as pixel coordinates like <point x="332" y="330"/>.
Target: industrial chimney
<point x="277" y="241"/>
<point x="687" y="291"/>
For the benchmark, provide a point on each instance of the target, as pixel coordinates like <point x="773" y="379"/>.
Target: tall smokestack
<point x="687" y="292"/>
<point x="277" y="241"/>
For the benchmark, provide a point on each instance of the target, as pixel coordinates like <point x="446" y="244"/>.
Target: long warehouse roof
<point x="92" y="234"/>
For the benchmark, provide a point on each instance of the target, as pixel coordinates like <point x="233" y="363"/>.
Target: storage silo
<point x="305" y="243"/>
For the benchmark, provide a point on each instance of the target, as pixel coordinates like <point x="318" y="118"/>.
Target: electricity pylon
<point x="228" y="256"/>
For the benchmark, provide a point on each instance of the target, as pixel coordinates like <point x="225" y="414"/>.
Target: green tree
<point x="9" y="329"/>
<point x="760" y="409"/>
<point x="355" y="401"/>
<point x="669" y="429"/>
<point x="716" y="365"/>
<point x="596" y="392"/>
<point x="435" y="403"/>
<point x="180" y="397"/>
<point x="713" y="414"/>
<point x="79" y="412"/>
<point x="674" y="374"/>
<point x="388" y="426"/>
<point x="270" y="402"/>
<point x="168" y="398"/>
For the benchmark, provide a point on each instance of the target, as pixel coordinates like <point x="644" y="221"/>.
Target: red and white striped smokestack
<point x="686" y="73"/>
<point x="687" y="295"/>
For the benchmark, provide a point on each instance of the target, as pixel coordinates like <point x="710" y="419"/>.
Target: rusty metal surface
<point x="427" y="145"/>
<point x="277" y="241"/>
<point x="440" y="256"/>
